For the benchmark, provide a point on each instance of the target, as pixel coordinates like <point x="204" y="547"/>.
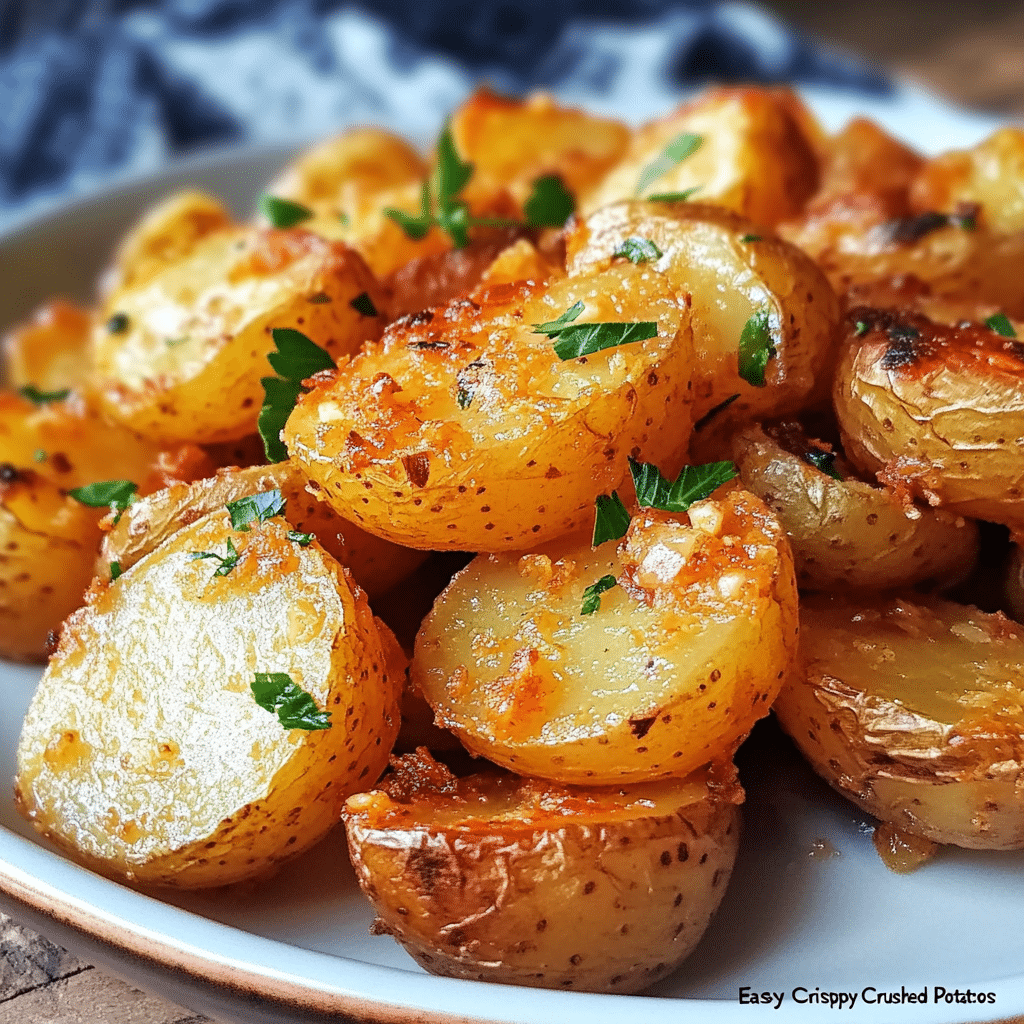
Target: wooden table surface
<point x="971" y="53"/>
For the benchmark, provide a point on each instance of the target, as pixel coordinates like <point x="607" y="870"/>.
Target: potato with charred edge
<point x="145" y="754"/>
<point x="915" y="712"/>
<point x="682" y="656"/>
<point x="847" y="534"/>
<point x="463" y="429"/>
<point x="937" y="412"/>
<point x="375" y="564"/>
<point x="734" y="272"/>
<point x="757" y="155"/>
<point x="504" y="879"/>
<point x="180" y="357"/>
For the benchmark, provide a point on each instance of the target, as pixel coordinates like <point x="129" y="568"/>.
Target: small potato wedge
<point x="936" y="412"/>
<point x="915" y="712"/>
<point x="847" y="534"/>
<point x="672" y="670"/>
<point x="145" y="754"/>
<point x="504" y="879"/>
<point x="180" y="357"/>
<point x="49" y="351"/>
<point x="757" y="155"/>
<point x="464" y="430"/>
<point x="732" y="270"/>
<point x="376" y="565"/>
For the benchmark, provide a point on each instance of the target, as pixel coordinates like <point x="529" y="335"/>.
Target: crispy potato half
<point x="847" y="534"/>
<point x="671" y="671"/>
<point x="462" y="429"/>
<point x="375" y="564"/>
<point x="505" y="879"/>
<point x="915" y="712"/>
<point x="937" y="412"/>
<point x="145" y="754"/>
<point x="733" y="271"/>
<point x="50" y="350"/>
<point x="180" y="357"/>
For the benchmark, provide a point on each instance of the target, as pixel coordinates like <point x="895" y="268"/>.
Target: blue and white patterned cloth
<point x="94" y="89"/>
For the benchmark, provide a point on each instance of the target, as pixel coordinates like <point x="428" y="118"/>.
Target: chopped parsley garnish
<point x="320" y="299"/>
<point x="672" y="197"/>
<point x="117" y="494"/>
<point x="694" y="483"/>
<point x="296" y="359"/>
<point x="1000" y="323"/>
<point x="255" y="508"/>
<point x="118" y="323"/>
<point x="611" y="518"/>
<point x="346" y="220"/>
<point x="751" y="238"/>
<point x="283" y="213"/>
<point x="638" y="250"/>
<point x="555" y="327"/>
<point x="592" y="595"/>
<point x="860" y="329"/>
<point x="363" y="304"/>
<point x="464" y="397"/>
<point x="302" y="539"/>
<point x="39" y="455"/>
<point x="674" y="153"/>
<point x="115" y="571"/>
<point x="825" y="462"/>
<point x="227" y="562"/>
<point x="277" y="693"/>
<point x="584" y="339"/>
<point x="756" y="348"/>
<point x="37" y="397"/>
<point x="550" y="204"/>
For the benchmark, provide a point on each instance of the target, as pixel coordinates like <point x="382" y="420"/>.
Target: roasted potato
<point x="847" y="534"/>
<point x="915" y="712"/>
<point x="462" y="429"/>
<point x="680" y="660"/>
<point x="375" y="564"/>
<point x="937" y="412"/>
<point x="180" y="357"/>
<point x="733" y="271"/>
<point x="756" y="157"/>
<point x="499" y="878"/>
<point x="49" y="352"/>
<point x="145" y="754"/>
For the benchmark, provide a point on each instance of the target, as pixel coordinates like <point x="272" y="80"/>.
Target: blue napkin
<point x="93" y="90"/>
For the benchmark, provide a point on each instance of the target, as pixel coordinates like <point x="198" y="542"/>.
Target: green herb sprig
<point x="295" y="708"/>
<point x="574" y="340"/>
<point x="682" y="146"/>
<point x="592" y="595"/>
<point x="255" y="508"/>
<point x="611" y="518"/>
<point x="638" y="250"/>
<point x="283" y="213"/>
<point x="227" y="561"/>
<point x="1000" y="323"/>
<point x="694" y="483"/>
<point x="37" y="397"/>
<point x="116" y="494"/>
<point x="825" y="462"/>
<point x="550" y="204"/>
<point x="757" y="346"/>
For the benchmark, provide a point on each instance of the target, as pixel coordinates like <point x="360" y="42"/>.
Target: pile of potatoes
<point x="238" y="645"/>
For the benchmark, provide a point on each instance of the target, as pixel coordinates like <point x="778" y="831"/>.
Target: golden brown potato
<point x="375" y="564"/>
<point x="733" y="271"/>
<point x="463" y="430"/>
<point x="847" y="534"/>
<point x="49" y="351"/>
<point x="756" y="156"/>
<point x="937" y="412"/>
<point x="679" y="661"/>
<point x="914" y="711"/>
<point x="145" y="753"/>
<point x="512" y="880"/>
<point x="180" y="358"/>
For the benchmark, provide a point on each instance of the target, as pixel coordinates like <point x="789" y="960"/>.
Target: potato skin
<point x="936" y="412"/>
<point x="144" y="754"/>
<point x="516" y="881"/>
<point x="463" y="430"/>
<point x="913" y="710"/>
<point x="847" y="534"/>
<point x="682" y="657"/>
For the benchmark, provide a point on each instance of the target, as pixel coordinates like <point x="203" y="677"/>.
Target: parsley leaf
<point x="283" y="213"/>
<point x="37" y="397"/>
<point x="464" y="397"/>
<point x="115" y="571"/>
<point x="227" y="562"/>
<point x="592" y="595"/>
<point x="453" y="173"/>
<point x="550" y="204"/>
<point x="694" y="483"/>
<point x="254" y="508"/>
<point x="363" y="304"/>
<point x="672" y="197"/>
<point x="277" y="693"/>
<point x="860" y="329"/>
<point x="638" y="250"/>
<point x="583" y="339"/>
<point x="555" y="327"/>
<point x="1000" y="323"/>
<point x="751" y="238"/>
<point x="39" y="455"/>
<point x="611" y="519"/>
<point x="302" y="539"/>
<point x="674" y="153"/>
<point x="118" y="494"/>
<point x="297" y="357"/>
<point x="825" y="462"/>
<point x="415" y="227"/>
<point x="756" y="348"/>
<point x="118" y="323"/>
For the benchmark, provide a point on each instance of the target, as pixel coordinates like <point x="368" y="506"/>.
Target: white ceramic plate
<point x="810" y="907"/>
